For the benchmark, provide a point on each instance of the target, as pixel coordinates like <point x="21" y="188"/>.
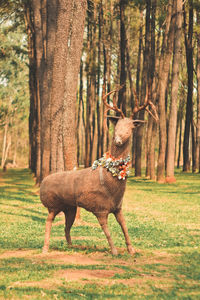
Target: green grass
<point x="164" y="226"/>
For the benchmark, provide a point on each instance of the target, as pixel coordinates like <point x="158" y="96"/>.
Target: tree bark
<point x="28" y="16"/>
<point x="58" y="33"/>
<point x="152" y="75"/>
<point x="167" y="48"/>
<point x="198" y="93"/>
<point x="4" y="145"/>
<point x="48" y="32"/>
<point x="174" y="94"/>
<point x="64" y="15"/>
<point x="75" y="41"/>
<point x="180" y="125"/>
<point x="145" y="83"/>
<point x="138" y="72"/>
<point x="122" y="92"/>
<point x="189" y="105"/>
<point x="79" y="118"/>
<point x="99" y="128"/>
<point x="38" y="42"/>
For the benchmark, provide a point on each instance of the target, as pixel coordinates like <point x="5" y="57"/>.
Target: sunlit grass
<point x="164" y="226"/>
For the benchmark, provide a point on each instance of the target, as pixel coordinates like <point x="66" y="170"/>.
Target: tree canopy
<point x="137" y="44"/>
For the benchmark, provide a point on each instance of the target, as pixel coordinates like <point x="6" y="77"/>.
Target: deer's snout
<point x="118" y="140"/>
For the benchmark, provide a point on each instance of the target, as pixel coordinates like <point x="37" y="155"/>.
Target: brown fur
<point x="95" y="190"/>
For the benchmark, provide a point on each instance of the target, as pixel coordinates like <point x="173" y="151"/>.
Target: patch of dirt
<point x="57" y="257"/>
<point x="70" y="275"/>
<point x="108" y="267"/>
<point x="48" y="283"/>
<point x="17" y="253"/>
<point x="95" y="258"/>
<point x="76" y="258"/>
<point x="76" y="275"/>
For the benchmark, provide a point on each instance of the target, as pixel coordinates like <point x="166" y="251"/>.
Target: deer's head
<point x="123" y="125"/>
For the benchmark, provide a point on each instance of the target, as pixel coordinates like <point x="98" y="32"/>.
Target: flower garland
<point x="117" y="166"/>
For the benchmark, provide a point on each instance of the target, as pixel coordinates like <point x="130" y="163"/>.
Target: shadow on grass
<point x="34" y="218"/>
<point x="186" y="184"/>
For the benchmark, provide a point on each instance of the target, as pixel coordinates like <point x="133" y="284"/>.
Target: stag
<point x="98" y="189"/>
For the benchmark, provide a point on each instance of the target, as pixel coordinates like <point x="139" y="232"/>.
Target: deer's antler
<point x="147" y="102"/>
<point x="114" y="106"/>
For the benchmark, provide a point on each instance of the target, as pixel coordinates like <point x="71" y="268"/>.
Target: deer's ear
<point x="137" y="123"/>
<point x="113" y="119"/>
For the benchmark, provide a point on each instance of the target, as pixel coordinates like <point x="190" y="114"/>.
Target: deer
<point x="98" y="189"/>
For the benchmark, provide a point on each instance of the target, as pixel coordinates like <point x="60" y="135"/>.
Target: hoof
<point x="69" y="243"/>
<point x="114" y="251"/>
<point x="131" y="250"/>
<point x="45" y="250"/>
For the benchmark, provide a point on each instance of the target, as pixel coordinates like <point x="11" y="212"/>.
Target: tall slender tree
<point x="189" y="107"/>
<point x="163" y="73"/>
<point x="144" y="89"/>
<point x="198" y="87"/>
<point x="123" y="73"/>
<point x="174" y="93"/>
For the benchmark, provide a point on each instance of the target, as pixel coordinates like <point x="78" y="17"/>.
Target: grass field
<point x="164" y="226"/>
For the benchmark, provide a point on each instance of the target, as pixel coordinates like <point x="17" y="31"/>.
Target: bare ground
<point x="104" y="272"/>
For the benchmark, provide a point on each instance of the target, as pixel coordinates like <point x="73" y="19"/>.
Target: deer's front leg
<point x="120" y="219"/>
<point x="103" y="221"/>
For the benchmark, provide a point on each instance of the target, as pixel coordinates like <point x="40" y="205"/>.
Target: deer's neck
<point x="121" y="151"/>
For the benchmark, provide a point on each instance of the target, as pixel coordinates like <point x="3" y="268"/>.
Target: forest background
<point x="50" y="126"/>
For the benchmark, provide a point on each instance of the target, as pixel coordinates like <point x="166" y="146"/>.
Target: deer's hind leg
<point x="120" y="219"/>
<point x="103" y="221"/>
<point x="50" y="218"/>
<point x="70" y="214"/>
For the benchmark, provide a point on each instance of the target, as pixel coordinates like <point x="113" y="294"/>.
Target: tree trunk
<point x="58" y="42"/>
<point x="63" y="23"/>
<point x="152" y="65"/>
<point x="8" y="145"/>
<point x="180" y="125"/>
<point x="189" y="106"/>
<point x="75" y="41"/>
<point x="99" y="129"/>
<point x="88" y="97"/>
<point x="104" y="121"/>
<point x="179" y="144"/>
<point x="4" y="146"/>
<point x="28" y="16"/>
<point x="174" y="94"/>
<point x="122" y="92"/>
<point x="138" y="72"/>
<point x="78" y="129"/>
<point x="152" y="158"/>
<point x="132" y="98"/>
<point x="92" y="94"/>
<point x="164" y="65"/>
<point x="198" y="93"/>
<point x="145" y="83"/>
<point x="38" y="42"/>
<point x="48" y="32"/>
